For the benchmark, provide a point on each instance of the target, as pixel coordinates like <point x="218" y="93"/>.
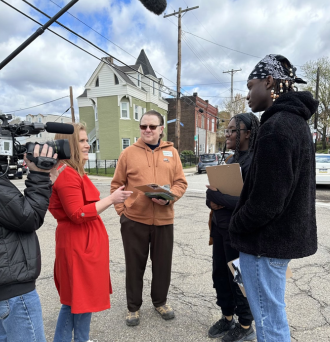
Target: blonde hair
<point x="76" y="161"/>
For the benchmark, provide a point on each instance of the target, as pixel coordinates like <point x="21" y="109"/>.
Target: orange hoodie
<point x="139" y="165"/>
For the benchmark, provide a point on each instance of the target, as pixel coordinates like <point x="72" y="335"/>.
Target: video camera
<point x="11" y="150"/>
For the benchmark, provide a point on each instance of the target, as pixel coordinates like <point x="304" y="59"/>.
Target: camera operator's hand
<point x="45" y="152"/>
<point x="55" y="172"/>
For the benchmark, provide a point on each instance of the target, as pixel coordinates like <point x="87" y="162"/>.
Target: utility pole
<point x="178" y="82"/>
<point x="71" y="104"/>
<point x="316" y="98"/>
<point x="232" y="72"/>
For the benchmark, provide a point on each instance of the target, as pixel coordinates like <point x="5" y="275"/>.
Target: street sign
<point x="170" y="121"/>
<point x="196" y="137"/>
<point x="181" y="124"/>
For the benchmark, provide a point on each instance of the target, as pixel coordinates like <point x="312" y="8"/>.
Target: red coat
<point x="81" y="270"/>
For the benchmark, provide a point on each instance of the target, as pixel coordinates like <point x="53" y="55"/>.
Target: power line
<point x="110" y="41"/>
<point x="226" y="47"/>
<point x="101" y="60"/>
<point x="18" y="110"/>
<point x="63" y="113"/>
<point x="121" y="47"/>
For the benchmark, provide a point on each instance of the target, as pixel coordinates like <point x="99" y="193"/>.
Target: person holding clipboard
<point x="147" y="223"/>
<point x="240" y="136"/>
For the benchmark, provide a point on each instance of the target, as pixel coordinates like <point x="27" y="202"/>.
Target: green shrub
<point x="187" y="152"/>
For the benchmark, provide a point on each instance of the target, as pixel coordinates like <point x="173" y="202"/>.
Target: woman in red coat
<point x="81" y="270"/>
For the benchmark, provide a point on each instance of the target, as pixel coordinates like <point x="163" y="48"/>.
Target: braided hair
<point x="251" y="123"/>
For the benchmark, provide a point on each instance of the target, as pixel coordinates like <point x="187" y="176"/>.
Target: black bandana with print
<point x="271" y="65"/>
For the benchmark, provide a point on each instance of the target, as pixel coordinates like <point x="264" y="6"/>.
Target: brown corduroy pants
<point x="137" y="237"/>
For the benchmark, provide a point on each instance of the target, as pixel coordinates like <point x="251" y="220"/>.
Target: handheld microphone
<point x="155" y="6"/>
<point x="56" y="127"/>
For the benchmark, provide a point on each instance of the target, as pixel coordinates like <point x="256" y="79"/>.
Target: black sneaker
<point x="239" y="334"/>
<point x="221" y="327"/>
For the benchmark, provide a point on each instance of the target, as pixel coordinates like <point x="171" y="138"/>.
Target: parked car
<point x="322" y="168"/>
<point x="21" y="163"/>
<point x="205" y="160"/>
<point x="227" y="154"/>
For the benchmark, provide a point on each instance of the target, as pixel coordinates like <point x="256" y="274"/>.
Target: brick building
<point x="199" y="119"/>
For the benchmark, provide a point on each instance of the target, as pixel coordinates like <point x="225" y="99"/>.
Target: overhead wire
<point x="41" y="104"/>
<point x="123" y="49"/>
<point x="100" y="59"/>
<point x="110" y="41"/>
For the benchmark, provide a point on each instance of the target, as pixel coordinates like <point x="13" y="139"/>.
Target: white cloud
<point x="44" y="71"/>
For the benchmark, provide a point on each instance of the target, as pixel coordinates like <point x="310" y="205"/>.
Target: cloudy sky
<point x="231" y="34"/>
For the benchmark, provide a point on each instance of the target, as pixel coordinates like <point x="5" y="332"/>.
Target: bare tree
<point x="224" y="118"/>
<point x="310" y="70"/>
<point x="237" y="106"/>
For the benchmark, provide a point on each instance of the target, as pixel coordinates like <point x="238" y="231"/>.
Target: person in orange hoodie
<point x="148" y="222"/>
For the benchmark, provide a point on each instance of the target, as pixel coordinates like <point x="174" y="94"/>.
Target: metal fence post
<point x="97" y="170"/>
<point x="105" y="166"/>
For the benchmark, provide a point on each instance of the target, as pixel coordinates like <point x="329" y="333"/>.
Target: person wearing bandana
<point x="274" y="220"/>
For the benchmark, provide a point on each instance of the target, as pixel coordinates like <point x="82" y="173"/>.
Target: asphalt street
<point x="191" y="293"/>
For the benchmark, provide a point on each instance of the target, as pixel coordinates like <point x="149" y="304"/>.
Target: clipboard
<point x="226" y="178"/>
<point x="151" y="190"/>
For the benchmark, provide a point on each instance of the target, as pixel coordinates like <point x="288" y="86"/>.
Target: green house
<point x="113" y="102"/>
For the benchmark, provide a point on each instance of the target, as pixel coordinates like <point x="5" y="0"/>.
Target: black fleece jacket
<point x="222" y="217"/>
<point x="275" y="216"/>
<point x="20" y="217"/>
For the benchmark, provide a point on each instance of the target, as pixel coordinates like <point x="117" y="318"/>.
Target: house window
<point x="212" y="125"/>
<point x="97" y="82"/>
<point x="136" y="112"/>
<point x="124" y="110"/>
<point x="125" y="143"/>
<point x="202" y="120"/>
<point x="116" y="80"/>
<point x="153" y="87"/>
<point x="62" y="120"/>
<point x="39" y="120"/>
<point x="139" y="80"/>
<point x="143" y="111"/>
<point x="97" y="145"/>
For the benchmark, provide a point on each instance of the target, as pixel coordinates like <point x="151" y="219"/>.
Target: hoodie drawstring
<point x="146" y="151"/>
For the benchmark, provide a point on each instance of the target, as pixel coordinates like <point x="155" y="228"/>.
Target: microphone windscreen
<point x="56" y="127"/>
<point x="155" y="6"/>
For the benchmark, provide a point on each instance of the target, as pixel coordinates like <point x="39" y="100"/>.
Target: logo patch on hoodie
<point x="168" y="153"/>
<point x="166" y="160"/>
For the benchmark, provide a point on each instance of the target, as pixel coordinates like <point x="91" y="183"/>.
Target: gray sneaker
<point x="221" y="327"/>
<point x="239" y="334"/>
<point x="133" y="318"/>
<point x="165" y="311"/>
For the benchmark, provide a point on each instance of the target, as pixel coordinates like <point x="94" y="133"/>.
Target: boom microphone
<point x="56" y="127"/>
<point x="155" y="6"/>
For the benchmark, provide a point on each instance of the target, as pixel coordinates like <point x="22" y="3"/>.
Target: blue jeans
<point x="21" y="319"/>
<point x="67" y="321"/>
<point x="264" y="282"/>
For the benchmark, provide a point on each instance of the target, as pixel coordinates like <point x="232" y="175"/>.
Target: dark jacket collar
<point x="300" y="103"/>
